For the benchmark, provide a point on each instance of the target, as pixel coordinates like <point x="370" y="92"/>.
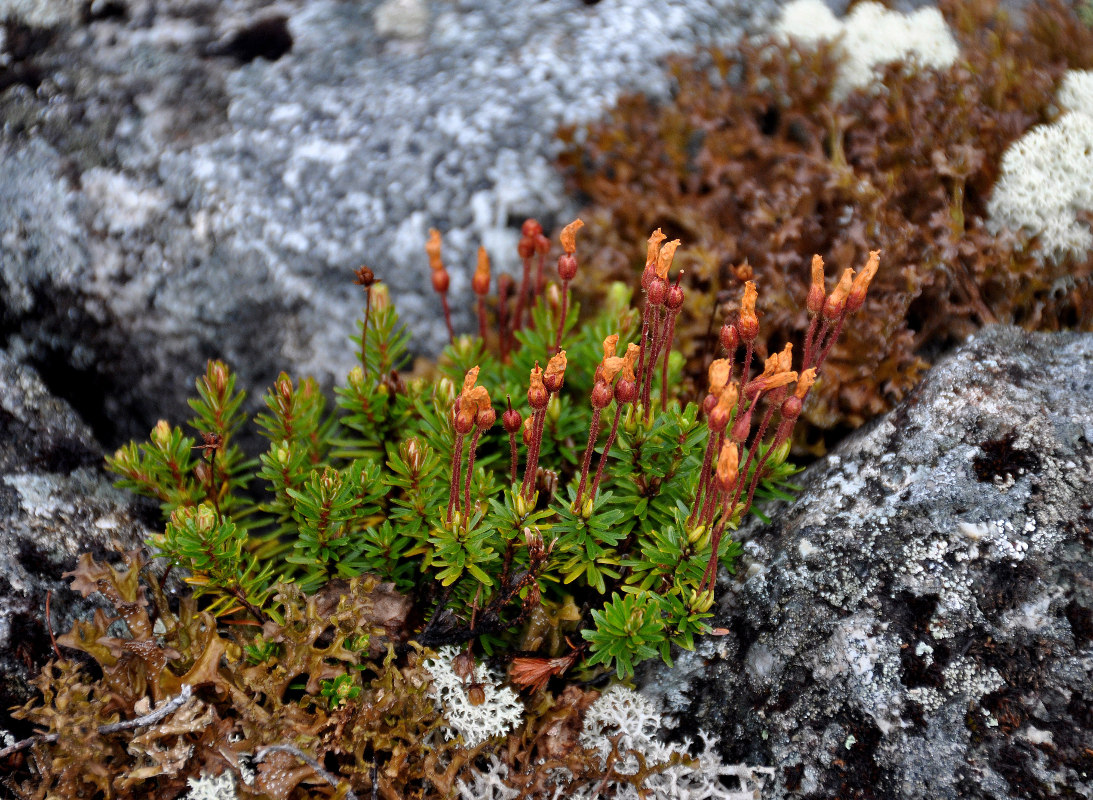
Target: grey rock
<point x="193" y="179"/>
<point x="55" y="503"/>
<point x="919" y="623"/>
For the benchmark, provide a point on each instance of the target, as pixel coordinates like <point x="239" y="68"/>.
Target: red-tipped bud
<point x="658" y="291"/>
<point x="531" y="228"/>
<point x="567" y="267"/>
<point x="730" y="338"/>
<point x="675" y="297"/>
<point x="441" y="280"/>
<point x="601" y="394"/>
<point x="481" y="280"/>
<point x="525" y="248"/>
<point x="626" y="391"/>
<point x="709" y="403"/>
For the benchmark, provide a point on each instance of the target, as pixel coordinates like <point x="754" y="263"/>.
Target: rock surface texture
<point x="919" y="624"/>
<point x="190" y="179"/>
<point x="55" y="503"/>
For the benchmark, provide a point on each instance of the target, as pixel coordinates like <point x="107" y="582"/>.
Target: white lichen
<point x="623" y="713"/>
<point x="870" y="37"/>
<point x="496" y="715"/>
<point x="1046" y="180"/>
<point x="212" y="787"/>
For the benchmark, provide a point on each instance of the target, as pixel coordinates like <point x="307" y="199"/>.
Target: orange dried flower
<point x="569" y="236"/>
<point x="816" y="292"/>
<point x="629" y="360"/>
<point x="719" y="373"/>
<point x="804" y="383"/>
<point x="555" y="371"/>
<point x="728" y="465"/>
<point x="654" y="246"/>
<point x="749" y="322"/>
<point x="432" y="249"/>
<point x="856" y="298"/>
<point x="609" y="346"/>
<point x="836" y="301"/>
<point x="538" y="396"/>
<point x="664" y="258"/>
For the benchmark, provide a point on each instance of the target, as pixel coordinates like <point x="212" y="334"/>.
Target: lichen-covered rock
<point x="189" y="179"/>
<point x="55" y="503"/>
<point x="919" y="624"/>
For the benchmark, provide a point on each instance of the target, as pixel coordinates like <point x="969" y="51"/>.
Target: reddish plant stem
<point x="503" y="284"/>
<point x="512" y="458"/>
<point x="650" y="368"/>
<point x="644" y="342"/>
<point x="470" y="476"/>
<point x="457" y="470"/>
<point x="703" y="476"/>
<point x="539" y="282"/>
<point x="606" y="452"/>
<point x="561" y="317"/>
<point x="755" y="442"/>
<point x="710" y="575"/>
<point x="711" y="493"/>
<point x="671" y="335"/>
<point x="532" y="467"/>
<point x="364" y="330"/>
<point x="810" y="352"/>
<point x="448" y="318"/>
<point x="522" y="298"/>
<point x="482" y="319"/>
<point x="810" y="340"/>
<point x="831" y="340"/>
<point x="593" y="434"/>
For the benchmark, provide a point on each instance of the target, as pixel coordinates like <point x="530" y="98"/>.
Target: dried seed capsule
<point x="675" y="298"/>
<point x="601" y="394"/>
<point x="511" y="420"/>
<point x="567" y="266"/>
<point x="658" y="291"/>
<point x="729" y="337"/>
<point x="626" y="391"/>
